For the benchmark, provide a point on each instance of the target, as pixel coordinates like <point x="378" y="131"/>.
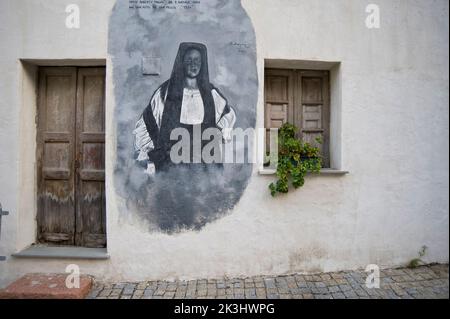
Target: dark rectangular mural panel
<point x="185" y="80"/>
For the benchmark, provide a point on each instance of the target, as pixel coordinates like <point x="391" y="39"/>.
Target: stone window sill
<point x="62" y="252"/>
<point x="324" y="171"/>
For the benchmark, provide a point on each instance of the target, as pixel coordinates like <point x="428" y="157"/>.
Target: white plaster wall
<point x="394" y="129"/>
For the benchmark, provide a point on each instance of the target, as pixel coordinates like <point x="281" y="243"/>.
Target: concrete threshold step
<point x="62" y="252"/>
<point x="46" y="286"/>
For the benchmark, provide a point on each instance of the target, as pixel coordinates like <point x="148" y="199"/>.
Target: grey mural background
<point x="171" y="201"/>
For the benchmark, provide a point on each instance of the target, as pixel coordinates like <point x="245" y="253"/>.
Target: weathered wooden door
<point x="300" y="97"/>
<point x="71" y="156"/>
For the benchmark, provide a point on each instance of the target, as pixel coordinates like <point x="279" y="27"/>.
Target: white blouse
<point x="192" y="113"/>
<point x="192" y="110"/>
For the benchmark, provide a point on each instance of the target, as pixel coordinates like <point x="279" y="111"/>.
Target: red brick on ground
<point x="46" y="286"/>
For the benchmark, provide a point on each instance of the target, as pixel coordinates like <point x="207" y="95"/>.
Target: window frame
<point x="295" y="101"/>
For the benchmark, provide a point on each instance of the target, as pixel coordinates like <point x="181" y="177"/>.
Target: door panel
<point x="71" y="157"/>
<point x="91" y="215"/>
<point x="56" y="140"/>
<point x="312" y="89"/>
<point x="276" y="115"/>
<point x="277" y="88"/>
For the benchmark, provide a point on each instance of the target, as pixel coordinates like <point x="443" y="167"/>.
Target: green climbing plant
<point x="416" y="262"/>
<point x="295" y="160"/>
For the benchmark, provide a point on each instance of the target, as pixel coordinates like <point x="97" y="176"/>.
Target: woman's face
<point x="192" y="63"/>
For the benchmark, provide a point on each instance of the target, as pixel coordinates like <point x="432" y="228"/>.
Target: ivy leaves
<point x="295" y="160"/>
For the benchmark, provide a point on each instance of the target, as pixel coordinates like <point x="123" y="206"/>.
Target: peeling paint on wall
<point x="144" y="40"/>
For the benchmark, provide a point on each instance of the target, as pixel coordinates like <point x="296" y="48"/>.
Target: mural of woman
<point x="187" y="100"/>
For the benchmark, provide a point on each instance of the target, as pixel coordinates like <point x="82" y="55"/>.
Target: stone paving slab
<point x="46" y="286"/>
<point x="424" y="282"/>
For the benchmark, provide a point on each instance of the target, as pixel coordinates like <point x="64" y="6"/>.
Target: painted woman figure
<point x="186" y="100"/>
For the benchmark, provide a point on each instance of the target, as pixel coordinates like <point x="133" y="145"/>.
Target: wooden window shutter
<point x="302" y="98"/>
<point x="279" y="99"/>
<point x="313" y="110"/>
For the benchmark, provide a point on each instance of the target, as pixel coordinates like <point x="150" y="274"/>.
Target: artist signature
<point x="240" y="45"/>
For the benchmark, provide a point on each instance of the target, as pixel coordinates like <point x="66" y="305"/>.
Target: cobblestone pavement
<point x="422" y="282"/>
